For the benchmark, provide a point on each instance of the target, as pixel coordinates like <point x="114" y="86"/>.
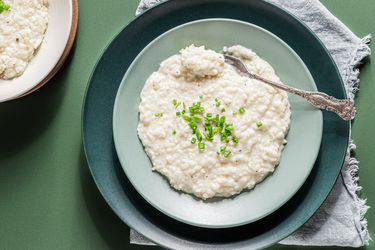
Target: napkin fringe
<point x="360" y="52"/>
<point x="353" y="189"/>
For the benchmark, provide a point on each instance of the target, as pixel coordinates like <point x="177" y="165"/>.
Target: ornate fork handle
<point x="342" y="107"/>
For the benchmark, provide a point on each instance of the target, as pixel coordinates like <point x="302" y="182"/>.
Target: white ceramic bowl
<point x="56" y="38"/>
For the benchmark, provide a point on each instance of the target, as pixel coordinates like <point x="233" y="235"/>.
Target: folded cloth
<point x="340" y="221"/>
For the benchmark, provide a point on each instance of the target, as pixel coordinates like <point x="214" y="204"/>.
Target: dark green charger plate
<point x="108" y="173"/>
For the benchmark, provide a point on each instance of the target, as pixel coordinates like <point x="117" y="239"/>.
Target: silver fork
<point x="342" y="107"/>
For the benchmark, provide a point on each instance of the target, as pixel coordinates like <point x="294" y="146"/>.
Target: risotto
<point x="210" y="131"/>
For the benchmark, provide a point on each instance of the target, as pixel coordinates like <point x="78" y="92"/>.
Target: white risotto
<point x="210" y="131"/>
<point x="22" y="31"/>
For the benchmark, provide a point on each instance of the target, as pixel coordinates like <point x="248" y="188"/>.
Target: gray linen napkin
<point x="340" y="221"/>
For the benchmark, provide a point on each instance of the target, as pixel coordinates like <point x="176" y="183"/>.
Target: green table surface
<point x="48" y="199"/>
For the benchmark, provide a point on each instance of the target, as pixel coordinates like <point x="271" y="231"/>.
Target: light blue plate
<point x="298" y="156"/>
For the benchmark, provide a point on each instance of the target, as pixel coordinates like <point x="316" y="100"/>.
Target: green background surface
<point x="48" y="199"/>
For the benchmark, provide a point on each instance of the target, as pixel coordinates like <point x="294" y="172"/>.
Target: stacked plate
<point x="310" y="163"/>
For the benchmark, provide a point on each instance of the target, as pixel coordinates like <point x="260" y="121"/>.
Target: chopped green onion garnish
<point x="176" y="103"/>
<point x="234" y="113"/>
<point x="217" y="102"/>
<point x="159" y="115"/>
<point x="216" y="130"/>
<point x="198" y="134"/>
<point x="196" y="107"/>
<point x="228" y="130"/>
<point x="210" y="132"/>
<point x="229" y="127"/>
<point x="227" y="153"/>
<point x="197" y="117"/>
<point x="216" y="119"/>
<point x="222" y="120"/>
<point x="174" y="132"/>
<point x="208" y="138"/>
<point x="210" y="124"/>
<point x="3" y="6"/>
<point x="193" y="125"/>
<point x="259" y="124"/>
<point x="186" y="118"/>
<point x="223" y="137"/>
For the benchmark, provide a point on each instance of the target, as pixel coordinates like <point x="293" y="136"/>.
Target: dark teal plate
<point x="108" y="173"/>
